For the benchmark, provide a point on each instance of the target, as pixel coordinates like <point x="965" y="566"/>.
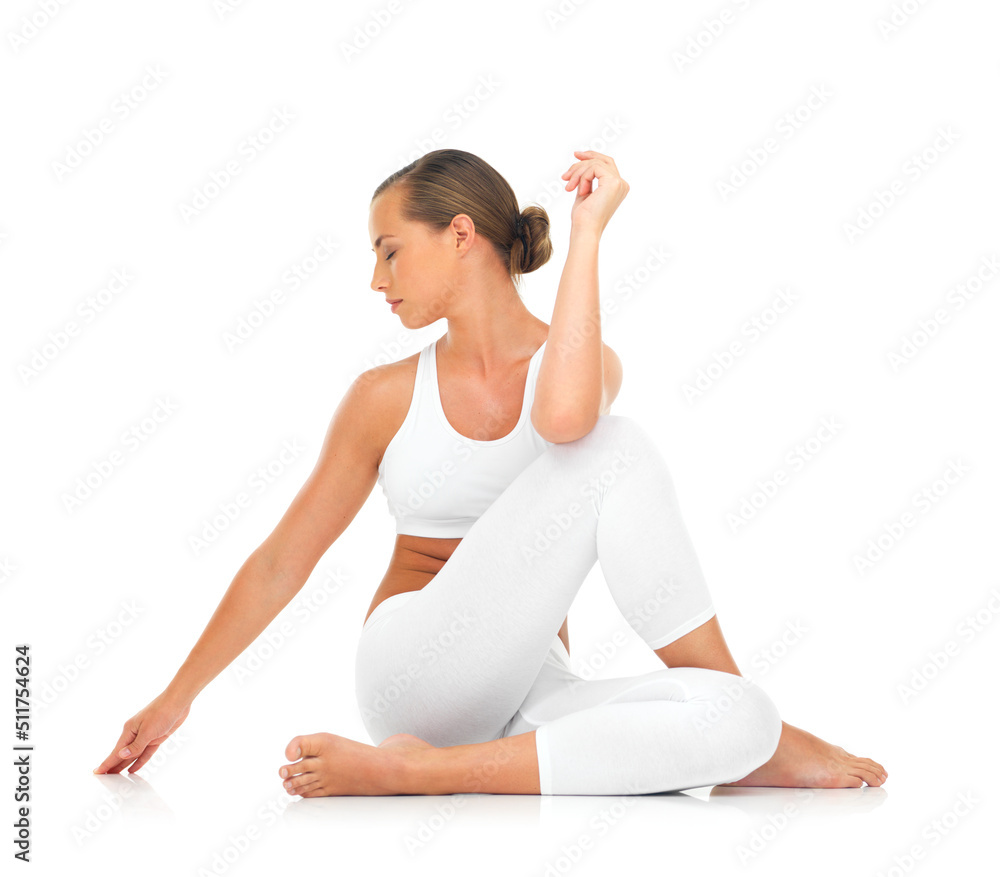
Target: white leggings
<point x="474" y="655"/>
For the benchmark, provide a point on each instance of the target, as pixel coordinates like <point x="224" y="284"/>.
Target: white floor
<point x="215" y="807"/>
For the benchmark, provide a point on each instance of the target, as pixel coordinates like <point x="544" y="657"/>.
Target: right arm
<point x="337" y="488"/>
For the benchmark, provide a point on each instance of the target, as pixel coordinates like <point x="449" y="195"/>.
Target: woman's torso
<point x="467" y="405"/>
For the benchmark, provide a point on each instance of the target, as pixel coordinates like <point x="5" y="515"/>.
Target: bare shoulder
<point x="382" y="396"/>
<point x="345" y="472"/>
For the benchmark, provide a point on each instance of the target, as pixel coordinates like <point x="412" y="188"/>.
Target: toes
<point x="874" y="768"/>
<point x="297" y="783"/>
<point x="287" y="771"/>
<point x="293" y="751"/>
<point x="862" y="771"/>
<point x="305" y="745"/>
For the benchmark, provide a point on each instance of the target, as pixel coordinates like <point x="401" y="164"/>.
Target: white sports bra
<point x="436" y="481"/>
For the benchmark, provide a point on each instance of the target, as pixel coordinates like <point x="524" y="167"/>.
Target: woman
<point x="508" y="479"/>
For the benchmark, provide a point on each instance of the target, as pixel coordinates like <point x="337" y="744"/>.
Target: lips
<point x="392" y="301"/>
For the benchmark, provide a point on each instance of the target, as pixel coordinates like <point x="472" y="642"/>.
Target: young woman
<point x="508" y="478"/>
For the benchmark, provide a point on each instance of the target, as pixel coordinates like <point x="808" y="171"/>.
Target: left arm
<point x="579" y="375"/>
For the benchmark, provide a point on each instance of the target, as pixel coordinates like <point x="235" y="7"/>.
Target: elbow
<point x="565" y="428"/>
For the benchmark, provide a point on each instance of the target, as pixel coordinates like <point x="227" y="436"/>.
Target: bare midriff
<point x="415" y="561"/>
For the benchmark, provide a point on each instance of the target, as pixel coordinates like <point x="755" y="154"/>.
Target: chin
<point x="416" y="321"/>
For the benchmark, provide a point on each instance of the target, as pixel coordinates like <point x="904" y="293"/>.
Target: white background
<point x="522" y="85"/>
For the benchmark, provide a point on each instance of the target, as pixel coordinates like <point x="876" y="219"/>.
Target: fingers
<point x="584" y="171"/>
<point x="583" y="178"/>
<point x="117" y="762"/>
<point x="141" y="735"/>
<point x="584" y="181"/>
<point x="586" y="168"/>
<point x="113" y="763"/>
<point x="128" y="748"/>
<point x="104" y="766"/>
<point x="147" y="754"/>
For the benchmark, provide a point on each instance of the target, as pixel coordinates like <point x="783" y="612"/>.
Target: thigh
<point x="403" y="688"/>
<point x="455" y="658"/>
<point x="487" y="619"/>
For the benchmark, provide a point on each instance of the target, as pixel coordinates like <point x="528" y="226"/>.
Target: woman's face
<point x="411" y="263"/>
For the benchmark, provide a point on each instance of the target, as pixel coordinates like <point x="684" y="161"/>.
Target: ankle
<point x="417" y="771"/>
<point x="384" y="771"/>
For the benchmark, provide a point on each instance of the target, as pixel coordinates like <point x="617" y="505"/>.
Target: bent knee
<point x="759" y="725"/>
<point x="615" y="434"/>
<point x="741" y="712"/>
<point x="617" y="427"/>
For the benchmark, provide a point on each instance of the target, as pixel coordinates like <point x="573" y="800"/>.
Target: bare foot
<point x="333" y="765"/>
<point x="802" y="760"/>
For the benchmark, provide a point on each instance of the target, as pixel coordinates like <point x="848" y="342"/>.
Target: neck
<point x="489" y="329"/>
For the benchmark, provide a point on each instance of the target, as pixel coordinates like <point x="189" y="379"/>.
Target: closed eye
<point x="393" y="253"/>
